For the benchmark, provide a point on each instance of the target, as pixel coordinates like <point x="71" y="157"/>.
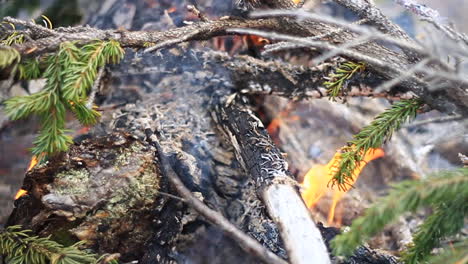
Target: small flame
<point x="171" y="10"/>
<point x="283" y="115"/>
<point x="256" y="41"/>
<point x="317" y="178"/>
<point x="20" y="193"/>
<point x="32" y="163"/>
<point x="83" y="130"/>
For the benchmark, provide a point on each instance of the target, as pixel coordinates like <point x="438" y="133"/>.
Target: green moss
<point x="72" y="182"/>
<point x="139" y="193"/>
<point x="127" y="154"/>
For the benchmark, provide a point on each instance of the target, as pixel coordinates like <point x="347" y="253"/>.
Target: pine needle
<point x="408" y="196"/>
<point x="20" y="247"/>
<point x="69" y="74"/>
<point x="29" y="69"/>
<point x="447" y="219"/>
<point x="373" y="136"/>
<point x="455" y="254"/>
<point x="339" y="78"/>
<point x="8" y="56"/>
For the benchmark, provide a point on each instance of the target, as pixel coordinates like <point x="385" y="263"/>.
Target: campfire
<point x="180" y="132"/>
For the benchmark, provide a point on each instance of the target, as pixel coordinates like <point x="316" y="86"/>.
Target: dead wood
<point x="264" y="162"/>
<point x="103" y="188"/>
<point x="388" y="63"/>
<point x="249" y="244"/>
<point x="273" y="77"/>
<point x="45" y="40"/>
<point x="170" y="109"/>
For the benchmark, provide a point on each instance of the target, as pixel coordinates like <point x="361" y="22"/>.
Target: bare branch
<point x="365" y="9"/>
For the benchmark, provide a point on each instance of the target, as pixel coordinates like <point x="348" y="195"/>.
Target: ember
<point x="317" y="179"/>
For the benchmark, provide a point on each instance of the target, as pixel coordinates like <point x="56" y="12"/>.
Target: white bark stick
<point x="301" y="236"/>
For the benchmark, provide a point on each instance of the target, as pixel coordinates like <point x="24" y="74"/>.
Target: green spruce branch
<point x="8" y="56"/>
<point x="69" y="74"/>
<point x="30" y="69"/>
<point x="20" y="247"/>
<point x="446" y="193"/>
<point x="446" y="220"/>
<point x="454" y="254"/>
<point x="83" y="71"/>
<point x="373" y="136"/>
<point x="338" y="79"/>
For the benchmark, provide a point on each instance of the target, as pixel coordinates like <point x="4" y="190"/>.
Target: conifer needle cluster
<point x="446" y="193"/>
<point x="9" y="56"/>
<point x="69" y="74"/>
<point x="337" y="80"/>
<point x="373" y="136"/>
<point x="19" y="247"/>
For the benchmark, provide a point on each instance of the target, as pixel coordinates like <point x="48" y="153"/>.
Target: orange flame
<point x="282" y="116"/>
<point x="32" y="164"/>
<point x="20" y="193"/>
<point x="317" y="178"/>
<point x="256" y="41"/>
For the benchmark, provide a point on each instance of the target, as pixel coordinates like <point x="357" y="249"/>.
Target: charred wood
<point x="391" y="64"/>
<point x="249" y="244"/>
<point x="256" y="76"/>
<point x="362" y="255"/>
<point x="263" y="161"/>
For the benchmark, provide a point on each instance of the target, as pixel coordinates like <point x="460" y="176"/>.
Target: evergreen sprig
<point x="373" y="136"/>
<point x="20" y="247"/>
<point x="69" y="74"/>
<point x="29" y="69"/>
<point x="446" y="193"/>
<point x="337" y="79"/>
<point x="83" y="71"/>
<point x="8" y="56"/>
<point x="446" y="220"/>
<point x="456" y="254"/>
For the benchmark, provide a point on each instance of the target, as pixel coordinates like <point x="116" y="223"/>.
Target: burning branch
<point x="372" y="136"/>
<point x="263" y="161"/>
<point x="255" y="76"/>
